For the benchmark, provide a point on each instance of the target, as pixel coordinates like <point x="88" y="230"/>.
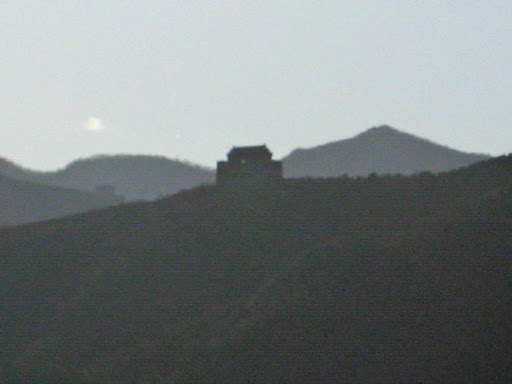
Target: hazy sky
<point x="189" y="79"/>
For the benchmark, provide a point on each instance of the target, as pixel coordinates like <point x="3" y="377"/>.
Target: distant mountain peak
<point x="381" y="149"/>
<point x="383" y="130"/>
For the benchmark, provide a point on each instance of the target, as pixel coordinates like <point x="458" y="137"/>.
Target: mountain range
<point x="379" y="150"/>
<point x="378" y="279"/>
<point x="136" y="177"/>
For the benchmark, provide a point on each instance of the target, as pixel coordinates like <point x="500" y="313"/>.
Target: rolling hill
<point x="381" y="150"/>
<point x="135" y="177"/>
<point x="379" y="279"/>
<point x="23" y="202"/>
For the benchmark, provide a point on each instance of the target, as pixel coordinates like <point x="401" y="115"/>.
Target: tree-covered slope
<point x="342" y="280"/>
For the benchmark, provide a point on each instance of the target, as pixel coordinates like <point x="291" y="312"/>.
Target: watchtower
<point x="249" y="165"/>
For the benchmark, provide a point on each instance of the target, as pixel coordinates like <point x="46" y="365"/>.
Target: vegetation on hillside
<point x="378" y="279"/>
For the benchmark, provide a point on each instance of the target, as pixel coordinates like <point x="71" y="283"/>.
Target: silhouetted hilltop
<point x="136" y="177"/>
<point x="23" y="202"/>
<point x="379" y="279"/>
<point x="382" y="150"/>
<point x="13" y="170"/>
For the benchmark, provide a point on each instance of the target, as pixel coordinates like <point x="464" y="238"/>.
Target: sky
<point x="190" y="79"/>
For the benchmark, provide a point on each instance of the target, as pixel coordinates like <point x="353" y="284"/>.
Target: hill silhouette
<point x="378" y="279"/>
<point x="382" y="150"/>
<point x="136" y="177"/>
<point x="23" y="202"/>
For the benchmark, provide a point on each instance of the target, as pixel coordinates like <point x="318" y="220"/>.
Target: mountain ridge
<point x="136" y="177"/>
<point x="384" y="278"/>
<point x="381" y="150"/>
<point x="378" y="150"/>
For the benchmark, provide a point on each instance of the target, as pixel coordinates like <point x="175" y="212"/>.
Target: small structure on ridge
<point x="249" y="165"/>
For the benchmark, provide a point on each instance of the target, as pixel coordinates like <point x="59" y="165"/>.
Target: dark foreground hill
<point x="136" y="177"/>
<point x="380" y="279"/>
<point x="382" y="150"/>
<point x="23" y="202"/>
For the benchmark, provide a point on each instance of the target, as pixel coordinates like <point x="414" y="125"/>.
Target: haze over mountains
<point x="379" y="279"/>
<point x="24" y="201"/>
<point x="136" y="177"/>
<point x="378" y="150"/>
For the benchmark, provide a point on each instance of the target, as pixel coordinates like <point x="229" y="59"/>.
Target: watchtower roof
<point x="250" y="151"/>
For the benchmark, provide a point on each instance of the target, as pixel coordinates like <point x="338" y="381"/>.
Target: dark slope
<point x="382" y="150"/>
<point x="136" y="177"/>
<point x="23" y="202"/>
<point x="345" y="280"/>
